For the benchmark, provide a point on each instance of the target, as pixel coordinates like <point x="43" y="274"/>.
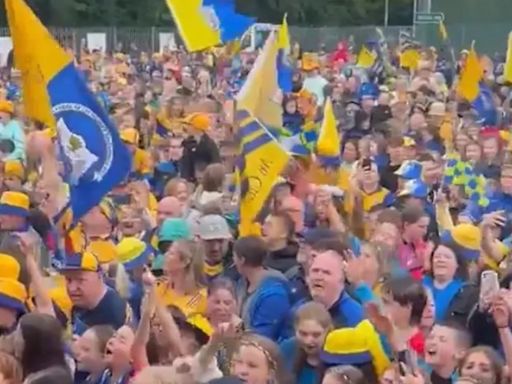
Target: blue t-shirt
<point x="308" y="373"/>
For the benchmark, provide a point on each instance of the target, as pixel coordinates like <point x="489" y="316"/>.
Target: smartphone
<point x="489" y="286"/>
<point x="125" y="199"/>
<point x="366" y="164"/>
<point x="405" y="358"/>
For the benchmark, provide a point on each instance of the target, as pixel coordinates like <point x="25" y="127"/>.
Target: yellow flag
<point x="508" y="65"/>
<point x="39" y="58"/>
<point x="193" y="24"/>
<point x="260" y="94"/>
<point x="365" y="58"/>
<point x="410" y="58"/>
<point x="468" y="86"/>
<point x="443" y="31"/>
<point x="328" y="143"/>
<point x="284" y="35"/>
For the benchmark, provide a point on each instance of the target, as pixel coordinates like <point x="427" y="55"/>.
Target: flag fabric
<point x="95" y="160"/>
<point x="366" y="58"/>
<point x="261" y="160"/>
<point x="485" y="106"/>
<point x="469" y="83"/>
<point x="409" y="50"/>
<point x="462" y="173"/>
<point x="508" y="64"/>
<point x="260" y="95"/>
<point x="206" y="23"/>
<point x="329" y="143"/>
<point x="443" y="31"/>
<point x="284" y="69"/>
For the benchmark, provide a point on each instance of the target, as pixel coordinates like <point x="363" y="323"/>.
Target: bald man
<point x="168" y="207"/>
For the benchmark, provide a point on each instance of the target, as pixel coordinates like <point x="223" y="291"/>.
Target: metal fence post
<point x="153" y="39"/>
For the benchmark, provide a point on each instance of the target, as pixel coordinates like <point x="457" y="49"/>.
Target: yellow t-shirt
<point x="188" y="304"/>
<point x="142" y="162"/>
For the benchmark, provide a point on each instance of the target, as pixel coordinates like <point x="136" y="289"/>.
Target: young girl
<point x="89" y="352"/>
<point x="118" y="358"/>
<point x="257" y="361"/>
<point x="301" y="353"/>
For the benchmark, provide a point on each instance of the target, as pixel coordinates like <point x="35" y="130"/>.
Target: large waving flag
<point x="469" y="83"/>
<point x="485" y="106"/>
<point x="260" y="94"/>
<point x="207" y="23"/>
<point x="94" y="157"/>
<point x="508" y="64"/>
<point x="284" y="69"/>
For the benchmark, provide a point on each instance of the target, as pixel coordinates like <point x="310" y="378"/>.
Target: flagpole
<point x="386" y="13"/>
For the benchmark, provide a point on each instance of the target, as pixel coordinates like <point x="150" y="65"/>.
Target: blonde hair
<point x="192" y="254"/>
<point x="171" y="188"/>
<point x="315" y="312"/>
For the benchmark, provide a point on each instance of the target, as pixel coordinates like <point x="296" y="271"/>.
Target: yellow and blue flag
<point x="462" y="173"/>
<point x="207" y="23"/>
<point x="284" y="69"/>
<point x="94" y="158"/>
<point x="261" y="160"/>
<point x="443" y="31"/>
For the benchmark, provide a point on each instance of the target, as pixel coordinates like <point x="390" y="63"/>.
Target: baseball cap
<point x="84" y="261"/>
<point x="214" y="227"/>
<point x="174" y="229"/>
<point x="132" y="253"/>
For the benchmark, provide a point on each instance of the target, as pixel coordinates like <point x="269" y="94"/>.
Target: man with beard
<point x="214" y="233"/>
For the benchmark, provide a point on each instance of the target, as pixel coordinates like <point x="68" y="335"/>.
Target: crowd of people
<point x="391" y="267"/>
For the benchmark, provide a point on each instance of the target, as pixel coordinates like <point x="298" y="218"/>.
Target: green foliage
<point x="155" y="12"/>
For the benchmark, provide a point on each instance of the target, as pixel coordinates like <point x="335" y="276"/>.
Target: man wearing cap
<point x="93" y="302"/>
<point x="215" y="235"/>
<point x="199" y="148"/>
<point x="142" y="166"/>
<point x="11" y="130"/>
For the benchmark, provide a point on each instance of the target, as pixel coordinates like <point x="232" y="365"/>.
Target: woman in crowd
<point x="182" y="283"/>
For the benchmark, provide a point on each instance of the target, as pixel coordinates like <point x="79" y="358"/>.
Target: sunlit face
<point x="221" y="306"/>
<point x="349" y="153"/>
<point x="250" y="365"/>
<point x="431" y="171"/>
<point x="325" y="277"/>
<point x="461" y="140"/>
<point x="440" y="346"/>
<point x="273" y="230"/>
<point x="88" y="356"/>
<point x="182" y="192"/>
<point x="444" y="263"/>
<point x="173" y="260"/>
<point x="418" y="230"/>
<point x="473" y="152"/>
<point x="175" y="149"/>
<point x="490" y="149"/>
<point x="370" y="262"/>
<point x="388" y="234"/>
<point x="478" y="366"/>
<point x="82" y="287"/>
<point x="118" y="349"/>
<point x="291" y="107"/>
<point x="215" y="249"/>
<point x="310" y="335"/>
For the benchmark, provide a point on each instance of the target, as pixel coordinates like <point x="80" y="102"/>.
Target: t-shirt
<point x="188" y="304"/>
<point x="111" y="310"/>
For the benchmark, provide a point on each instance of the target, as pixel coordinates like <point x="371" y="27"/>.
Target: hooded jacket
<point x="283" y="259"/>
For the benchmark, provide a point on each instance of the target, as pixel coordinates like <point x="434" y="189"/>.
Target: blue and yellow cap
<point x="84" y="261"/>
<point x="14" y="203"/>
<point x="464" y="239"/>
<point x="409" y="170"/>
<point x="9" y="267"/>
<point x="201" y="323"/>
<point x="13" y="295"/>
<point x="6" y="106"/>
<point x="132" y="253"/>
<point x="14" y="168"/>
